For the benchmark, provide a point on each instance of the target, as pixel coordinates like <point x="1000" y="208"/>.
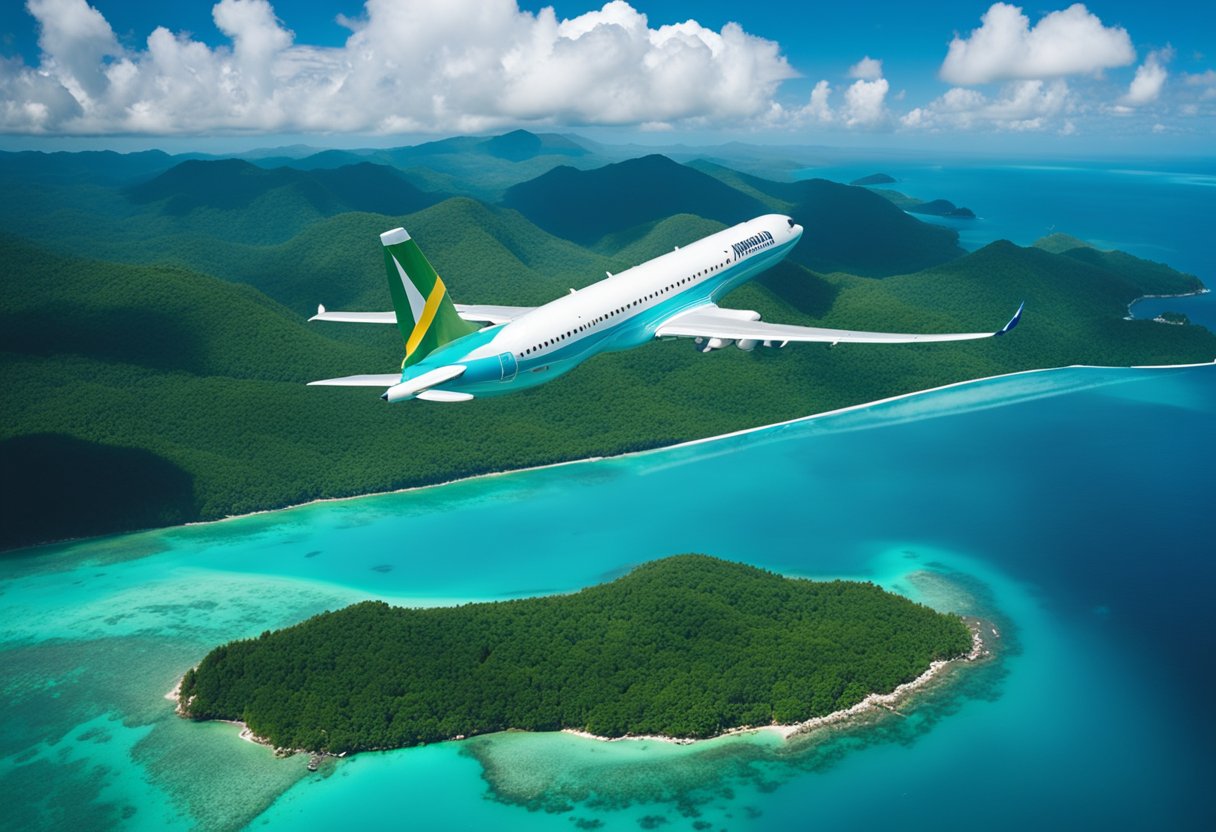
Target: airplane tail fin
<point x="426" y="315"/>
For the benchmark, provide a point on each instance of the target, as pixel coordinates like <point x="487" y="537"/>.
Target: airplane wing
<point x="478" y="314"/>
<point x="491" y="314"/>
<point x="712" y="322"/>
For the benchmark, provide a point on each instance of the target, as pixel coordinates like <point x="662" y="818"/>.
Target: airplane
<point x="456" y="353"/>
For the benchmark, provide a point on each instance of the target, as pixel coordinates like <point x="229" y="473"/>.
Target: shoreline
<point x="685" y="444"/>
<point x="246" y="733"/>
<point x="1130" y="317"/>
<point x="873" y="701"/>
<point x="886" y="701"/>
<point x="628" y="454"/>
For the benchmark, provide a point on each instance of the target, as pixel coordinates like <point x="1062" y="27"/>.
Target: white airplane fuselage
<point x="620" y="312"/>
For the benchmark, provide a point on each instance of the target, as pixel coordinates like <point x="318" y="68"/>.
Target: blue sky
<point x="1106" y="77"/>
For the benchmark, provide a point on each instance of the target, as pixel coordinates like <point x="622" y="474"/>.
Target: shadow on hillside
<point x="802" y="289"/>
<point x="56" y="486"/>
<point x="145" y="337"/>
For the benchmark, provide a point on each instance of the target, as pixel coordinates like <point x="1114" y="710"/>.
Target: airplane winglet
<point x="320" y="312"/>
<point x="1017" y="316"/>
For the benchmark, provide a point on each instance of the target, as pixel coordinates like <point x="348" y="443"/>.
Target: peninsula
<point x="684" y="647"/>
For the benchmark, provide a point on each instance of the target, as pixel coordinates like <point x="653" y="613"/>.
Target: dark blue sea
<point x="1158" y="210"/>
<point x="1071" y="508"/>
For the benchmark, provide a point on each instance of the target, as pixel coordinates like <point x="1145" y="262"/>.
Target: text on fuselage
<point x="756" y="241"/>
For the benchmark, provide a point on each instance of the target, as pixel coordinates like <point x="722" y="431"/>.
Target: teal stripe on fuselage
<point x="483" y="376"/>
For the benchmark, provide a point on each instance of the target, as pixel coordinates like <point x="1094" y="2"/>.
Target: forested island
<point x="685" y="647"/>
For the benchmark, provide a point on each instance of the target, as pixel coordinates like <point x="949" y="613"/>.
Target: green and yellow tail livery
<point x="426" y="315"/>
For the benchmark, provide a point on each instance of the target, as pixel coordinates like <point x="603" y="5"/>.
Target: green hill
<point x="156" y="317"/>
<point x="848" y="229"/>
<point x="852" y="230"/>
<point x="585" y="206"/>
<point x="485" y="254"/>
<point x="1149" y="277"/>
<point x="1058" y="243"/>
<point x="941" y="208"/>
<point x="180" y="346"/>
<point x="874" y="179"/>
<point x="99" y="167"/>
<point x="689" y="646"/>
<point x="321" y="160"/>
<point x="743" y="183"/>
<point x="519" y="145"/>
<point x="208" y="375"/>
<point x="233" y="184"/>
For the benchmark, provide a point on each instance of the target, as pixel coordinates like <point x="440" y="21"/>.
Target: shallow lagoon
<point x="1070" y="506"/>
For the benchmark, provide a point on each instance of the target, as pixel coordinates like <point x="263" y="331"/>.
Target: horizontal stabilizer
<point x="382" y="380"/>
<point x="475" y="313"/>
<point x="354" y="317"/>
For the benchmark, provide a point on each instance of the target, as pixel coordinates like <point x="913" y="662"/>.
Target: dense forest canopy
<point x="155" y="319"/>
<point x="687" y="646"/>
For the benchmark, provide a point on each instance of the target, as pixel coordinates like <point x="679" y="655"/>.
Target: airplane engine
<point x="711" y="344"/>
<point x="746" y="344"/>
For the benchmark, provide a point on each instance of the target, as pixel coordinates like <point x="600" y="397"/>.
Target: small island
<point x="941" y="208"/>
<point x="687" y="647"/>
<point x="874" y="179"/>
<point x="912" y="205"/>
<point x="1175" y="318"/>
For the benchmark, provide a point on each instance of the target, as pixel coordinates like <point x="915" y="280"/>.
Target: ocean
<point x="1158" y="210"/>
<point x="1069" y="507"/>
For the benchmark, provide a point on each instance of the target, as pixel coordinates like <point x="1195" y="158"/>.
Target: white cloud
<point x="1021" y="106"/>
<point x="867" y="69"/>
<point x="818" y="107"/>
<point x="1150" y="78"/>
<point x="1006" y="47"/>
<point x="75" y="40"/>
<point x="1204" y="80"/>
<point x="408" y="65"/>
<point x="864" y="103"/>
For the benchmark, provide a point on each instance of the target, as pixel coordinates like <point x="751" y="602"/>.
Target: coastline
<point x="1130" y="317"/>
<point x="246" y="733"/>
<point x="628" y="454"/>
<point x="685" y="444"/>
<point x="886" y="701"/>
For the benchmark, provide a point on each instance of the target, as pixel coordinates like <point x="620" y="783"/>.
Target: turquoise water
<point x="1070" y="507"/>
<point x="1153" y="209"/>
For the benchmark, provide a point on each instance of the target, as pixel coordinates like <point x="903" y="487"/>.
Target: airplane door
<point x="509" y="365"/>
